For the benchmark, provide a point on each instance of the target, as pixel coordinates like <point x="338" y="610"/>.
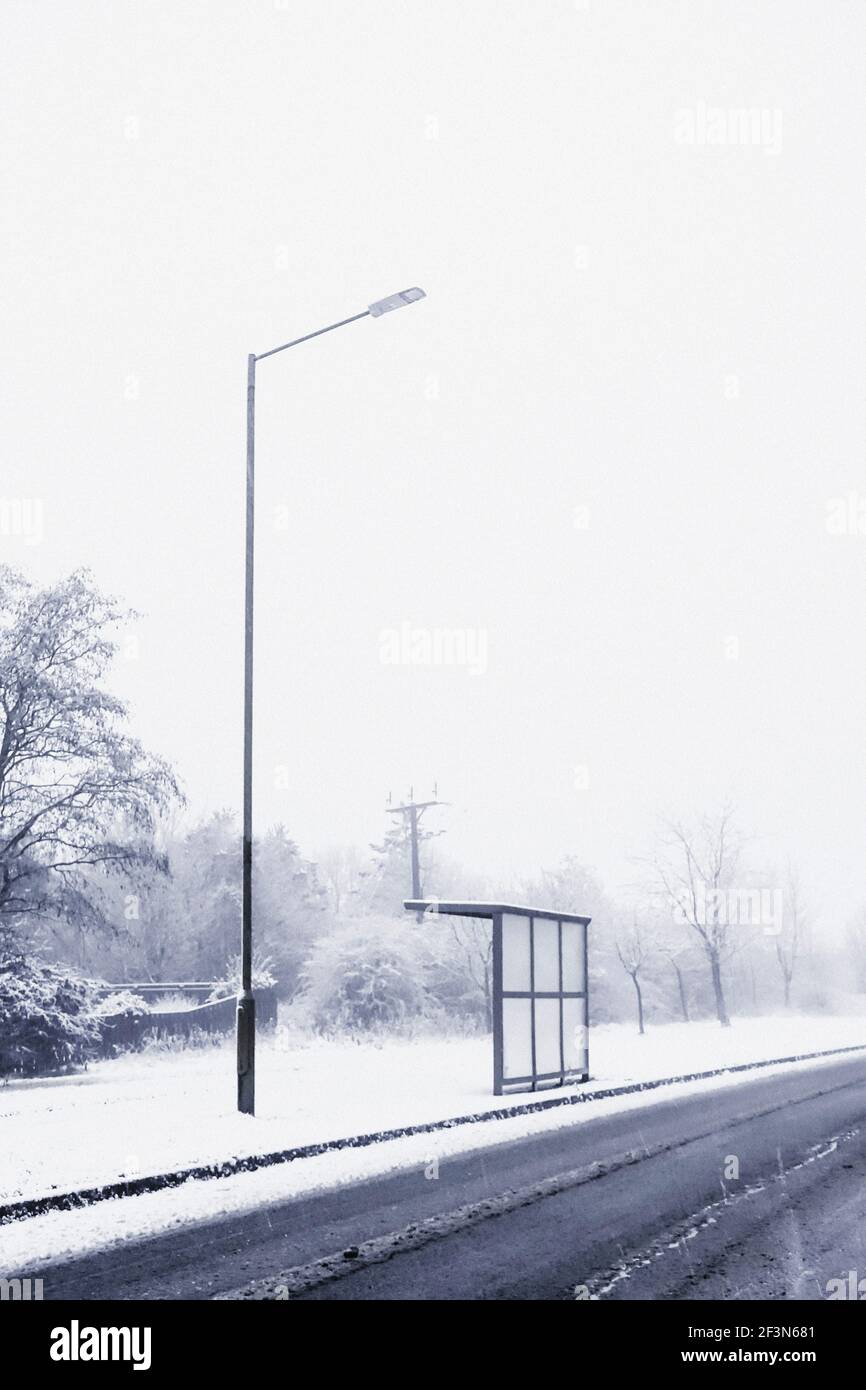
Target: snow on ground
<point x="149" y="1114"/>
<point x="152" y="1113"/>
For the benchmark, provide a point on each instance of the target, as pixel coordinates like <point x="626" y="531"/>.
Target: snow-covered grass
<point x="149" y="1114"/>
<point x="140" y="1115"/>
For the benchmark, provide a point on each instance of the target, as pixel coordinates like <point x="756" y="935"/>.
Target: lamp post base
<point x="246" y="1054"/>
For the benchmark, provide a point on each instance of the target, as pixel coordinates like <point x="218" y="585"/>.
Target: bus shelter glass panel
<point x="517" y="1036"/>
<point x="548" y="1057"/>
<point x="575" y="1035"/>
<point x="545" y="943"/>
<point x="516" y="960"/>
<point x="573" y="957"/>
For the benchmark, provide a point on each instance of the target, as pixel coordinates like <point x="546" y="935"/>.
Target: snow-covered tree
<point x="77" y="792"/>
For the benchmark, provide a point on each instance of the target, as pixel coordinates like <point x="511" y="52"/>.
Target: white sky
<point x="187" y="182"/>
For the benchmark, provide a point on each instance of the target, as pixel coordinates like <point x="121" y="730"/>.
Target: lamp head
<point x="395" y="301"/>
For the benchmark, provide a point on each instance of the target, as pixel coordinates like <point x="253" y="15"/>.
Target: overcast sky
<point x="602" y="457"/>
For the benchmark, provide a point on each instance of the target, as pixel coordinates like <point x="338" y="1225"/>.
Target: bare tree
<point x="795" y="925"/>
<point x="695" y="867"/>
<point x="633" y="947"/>
<point x="341" y="870"/>
<point x="464" y="955"/>
<point x="674" y="952"/>
<point x="855" y="943"/>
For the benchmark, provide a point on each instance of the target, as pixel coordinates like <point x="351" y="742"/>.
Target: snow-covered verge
<point x="154" y="1113"/>
<point x="29" y="1246"/>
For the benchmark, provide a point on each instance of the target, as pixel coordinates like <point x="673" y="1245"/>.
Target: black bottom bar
<point x="209" y="1340"/>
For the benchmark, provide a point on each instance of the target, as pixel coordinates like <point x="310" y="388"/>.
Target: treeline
<point x="98" y="874"/>
<point x="333" y="935"/>
<point x="180" y="920"/>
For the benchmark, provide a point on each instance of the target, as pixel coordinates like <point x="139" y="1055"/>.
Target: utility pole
<point x="412" y="811"/>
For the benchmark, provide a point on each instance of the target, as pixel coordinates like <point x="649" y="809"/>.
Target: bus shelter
<point x="540" y="992"/>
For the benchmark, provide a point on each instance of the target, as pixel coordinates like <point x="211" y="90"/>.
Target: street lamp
<point x="246" y="1002"/>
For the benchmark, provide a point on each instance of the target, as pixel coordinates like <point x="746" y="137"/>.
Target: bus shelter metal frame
<point x="495" y="912"/>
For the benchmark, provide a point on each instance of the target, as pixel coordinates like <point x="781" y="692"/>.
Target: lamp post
<point x="246" y="1003"/>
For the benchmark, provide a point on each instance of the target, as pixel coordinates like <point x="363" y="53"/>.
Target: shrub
<point x="366" y="978"/>
<point x="46" y="1017"/>
<point x="123" y="1004"/>
<point x="262" y="977"/>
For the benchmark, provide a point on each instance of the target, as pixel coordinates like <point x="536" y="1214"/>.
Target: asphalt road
<point x="754" y="1191"/>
